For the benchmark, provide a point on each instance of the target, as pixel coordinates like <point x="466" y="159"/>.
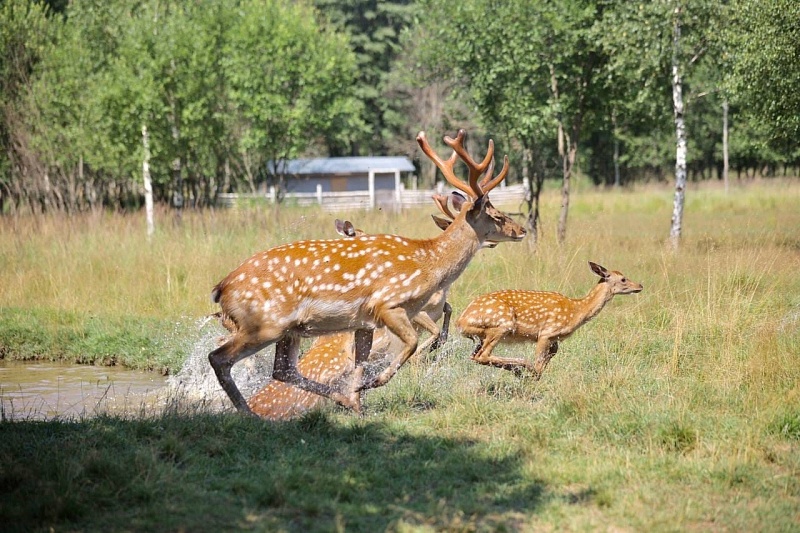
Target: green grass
<point x="675" y="409"/>
<point x="133" y="342"/>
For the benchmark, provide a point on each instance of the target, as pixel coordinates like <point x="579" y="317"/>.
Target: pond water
<point x="46" y="390"/>
<point x="43" y="390"/>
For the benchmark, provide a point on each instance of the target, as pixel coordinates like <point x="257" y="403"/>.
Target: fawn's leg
<point x="545" y="350"/>
<point x="287" y="351"/>
<point x="483" y="353"/>
<point x="447" y="310"/>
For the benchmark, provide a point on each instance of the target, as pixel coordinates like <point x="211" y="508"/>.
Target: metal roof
<point x="346" y="165"/>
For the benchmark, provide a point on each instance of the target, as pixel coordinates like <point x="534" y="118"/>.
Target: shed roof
<point x="347" y="165"/>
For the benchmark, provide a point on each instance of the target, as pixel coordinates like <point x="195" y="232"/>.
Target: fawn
<point x="512" y="316"/>
<point x="316" y="287"/>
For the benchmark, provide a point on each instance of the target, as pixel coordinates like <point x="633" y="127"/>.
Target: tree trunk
<point x="535" y="180"/>
<point x="725" y="166"/>
<point x="568" y="162"/>
<point x="680" y="134"/>
<point x="148" y="184"/>
<point x="565" y="167"/>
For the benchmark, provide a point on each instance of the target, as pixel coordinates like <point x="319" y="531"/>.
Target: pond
<point x="46" y="390"/>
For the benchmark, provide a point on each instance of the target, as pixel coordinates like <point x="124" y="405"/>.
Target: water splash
<point x="196" y="382"/>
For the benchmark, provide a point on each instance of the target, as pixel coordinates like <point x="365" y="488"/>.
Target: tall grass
<point x="677" y="408"/>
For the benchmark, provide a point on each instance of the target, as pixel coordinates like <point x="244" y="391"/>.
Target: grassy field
<point x="676" y="409"/>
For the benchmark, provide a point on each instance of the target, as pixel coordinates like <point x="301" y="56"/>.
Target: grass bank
<point x="675" y="409"/>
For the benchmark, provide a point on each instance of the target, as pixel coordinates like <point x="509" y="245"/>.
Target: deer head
<point x="488" y="223"/>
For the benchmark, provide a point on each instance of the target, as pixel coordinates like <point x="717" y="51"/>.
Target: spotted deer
<point x="546" y="318"/>
<point x="316" y="287"/>
<point x="330" y="357"/>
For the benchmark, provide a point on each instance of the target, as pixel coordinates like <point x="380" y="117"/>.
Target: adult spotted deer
<point x="546" y="318"/>
<point x="316" y="287"/>
<point x="330" y="357"/>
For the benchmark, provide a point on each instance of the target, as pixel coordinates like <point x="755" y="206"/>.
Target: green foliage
<point x="374" y="28"/>
<point x="765" y="55"/>
<point x="225" y="87"/>
<point x="188" y="74"/>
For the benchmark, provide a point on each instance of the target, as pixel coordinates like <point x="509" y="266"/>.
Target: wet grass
<point x="675" y="409"/>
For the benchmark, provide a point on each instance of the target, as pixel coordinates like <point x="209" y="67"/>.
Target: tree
<point x="528" y="69"/>
<point x="295" y="90"/>
<point x="374" y="28"/>
<point x="186" y="73"/>
<point x="765" y="55"/>
<point x="24" y="30"/>
<point x="656" y="45"/>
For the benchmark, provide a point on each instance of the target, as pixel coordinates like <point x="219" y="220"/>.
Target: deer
<point x="546" y="318"/>
<point x="310" y="288"/>
<point x="331" y="357"/>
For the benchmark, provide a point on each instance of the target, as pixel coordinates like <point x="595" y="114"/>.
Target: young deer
<point x="511" y="316"/>
<point x="316" y="287"/>
<point x="331" y="357"/>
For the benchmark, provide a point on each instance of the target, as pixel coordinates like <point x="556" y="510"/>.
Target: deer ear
<point x="443" y="223"/>
<point x="339" y="226"/>
<point x="597" y="269"/>
<point x="458" y="200"/>
<point x="349" y="229"/>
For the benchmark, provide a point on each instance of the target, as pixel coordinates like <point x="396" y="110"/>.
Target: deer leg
<point x="424" y="321"/>
<point x="442" y="337"/>
<point x="287" y="351"/>
<point x="396" y="320"/>
<point x="222" y="360"/>
<point x="363" y="345"/>
<point x="545" y="350"/>
<point x="483" y="353"/>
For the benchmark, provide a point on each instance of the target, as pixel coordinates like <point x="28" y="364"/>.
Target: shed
<point x="380" y="175"/>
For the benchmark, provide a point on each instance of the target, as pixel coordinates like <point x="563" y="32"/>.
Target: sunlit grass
<point x="674" y="409"/>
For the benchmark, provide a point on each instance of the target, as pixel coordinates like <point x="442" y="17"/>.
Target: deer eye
<point x="624" y="280"/>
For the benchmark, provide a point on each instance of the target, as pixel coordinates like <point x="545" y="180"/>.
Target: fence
<point x="349" y="200"/>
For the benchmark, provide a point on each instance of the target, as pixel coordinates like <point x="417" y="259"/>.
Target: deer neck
<point x="452" y="250"/>
<point x="594" y="302"/>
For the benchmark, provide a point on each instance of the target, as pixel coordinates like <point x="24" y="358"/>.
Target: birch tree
<point x="654" y="46"/>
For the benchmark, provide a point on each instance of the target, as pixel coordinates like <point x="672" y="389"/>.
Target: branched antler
<point x="476" y="188"/>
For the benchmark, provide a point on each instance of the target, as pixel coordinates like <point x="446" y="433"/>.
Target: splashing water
<point x="196" y="382"/>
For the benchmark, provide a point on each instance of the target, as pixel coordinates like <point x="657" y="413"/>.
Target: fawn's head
<point x="489" y="224"/>
<point x="616" y="280"/>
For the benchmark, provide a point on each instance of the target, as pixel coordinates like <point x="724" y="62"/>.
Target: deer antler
<point x="441" y="203"/>
<point x="475" y="189"/>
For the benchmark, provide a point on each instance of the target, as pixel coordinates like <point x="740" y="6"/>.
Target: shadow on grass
<point x="222" y="472"/>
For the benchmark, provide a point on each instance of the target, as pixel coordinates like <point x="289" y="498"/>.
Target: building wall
<point x="353" y="182"/>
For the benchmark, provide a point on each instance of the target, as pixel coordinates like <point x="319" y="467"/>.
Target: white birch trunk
<point x="680" y="134"/>
<point x="148" y="184"/>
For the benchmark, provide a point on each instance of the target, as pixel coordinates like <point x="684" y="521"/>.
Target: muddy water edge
<point x="44" y="390"/>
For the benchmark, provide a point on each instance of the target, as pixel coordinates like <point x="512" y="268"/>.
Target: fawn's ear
<point x="349" y="229"/>
<point x="443" y="223"/>
<point x="600" y="271"/>
<point x="339" y="226"/>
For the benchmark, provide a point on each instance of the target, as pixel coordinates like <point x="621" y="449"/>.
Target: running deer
<point x="512" y="316"/>
<point x="437" y="307"/>
<point x="317" y="287"/>
<point x="330" y="357"/>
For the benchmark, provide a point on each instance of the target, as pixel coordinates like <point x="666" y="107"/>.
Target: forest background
<point x="207" y="93"/>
